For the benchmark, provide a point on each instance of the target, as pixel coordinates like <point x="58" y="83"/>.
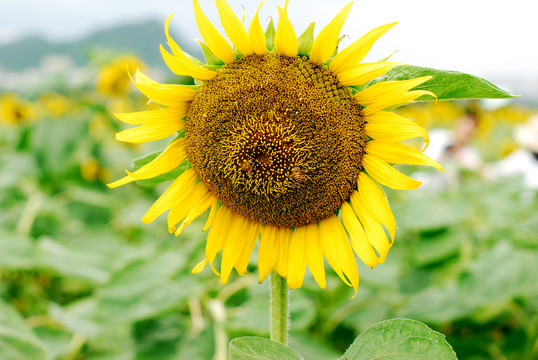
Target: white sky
<point x="482" y="37"/>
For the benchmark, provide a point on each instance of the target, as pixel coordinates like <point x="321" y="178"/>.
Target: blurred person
<point x="524" y="160"/>
<point x="452" y="146"/>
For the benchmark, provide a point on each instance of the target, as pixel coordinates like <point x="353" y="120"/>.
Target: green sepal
<point x="306" y="40"/>
<point x="193" y="59"/>
<point x="399" y="339"/>
<point x="210" y="58"/>
<point x="253" y="347"/>
<point x="270" y="35"/>
<point x="445" y="84"/>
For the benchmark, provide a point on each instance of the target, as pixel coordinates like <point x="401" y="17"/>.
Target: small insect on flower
<point x="282" y="146"/>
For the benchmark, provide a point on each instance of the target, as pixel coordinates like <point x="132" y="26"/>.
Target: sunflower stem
<point x="279" y="308"/>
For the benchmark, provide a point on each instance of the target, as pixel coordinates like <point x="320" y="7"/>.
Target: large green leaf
<point x="446" y="84"/>
<point x="17" y="341"/>
<point x="400" y="339"/>
<point x="258" y="348"/>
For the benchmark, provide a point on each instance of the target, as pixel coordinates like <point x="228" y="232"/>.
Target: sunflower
<point x="112" y="79"/>
<point x="14" y="110"/>
<point x="284" y="145"/>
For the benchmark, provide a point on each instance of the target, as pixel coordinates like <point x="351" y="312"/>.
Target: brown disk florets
<point x="277" y="139"/>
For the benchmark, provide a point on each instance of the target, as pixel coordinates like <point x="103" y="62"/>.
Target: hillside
<point x="141" y="39"/>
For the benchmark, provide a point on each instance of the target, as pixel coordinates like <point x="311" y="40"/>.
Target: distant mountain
<point x="141" y="39"/>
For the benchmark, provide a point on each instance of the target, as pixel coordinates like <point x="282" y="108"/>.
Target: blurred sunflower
<point x="279" y="142"/>
<point x="112" y="78"/>
<point x="55" y="105"/>
<point x="14" y="110"/>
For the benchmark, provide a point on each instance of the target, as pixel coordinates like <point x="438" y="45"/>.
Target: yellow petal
<point x="268" y="251"/>
<point x="169" y="197"/>
<point x="357" y="237"/>
<point x="212" y="213"/>
<point x="337" y="250"/>
<point x="256" y="34"/>
<point x="217" y="234"/>
<point x="185" y="202"/>
<point x="166" y="94"/>
<point x="389" y="93"/>
<point x="179" y="63"/>
<point x="196" y="211"/>
<point x="396" y="153"/>
<point x="283" y="235"/>
<point x="234" y="29"/>
<point x="327" y="39"/>
<point x="387" y="126"/>
<point x="362" y="73"/>
<point x="373" y="229"/>
<point x="297" y="258"/>
<point x="155" y="124"/>
<point x="373" y="198"/>
<point x="153" y="116"/>
<point x="199" y="267"/>
<point x="314" y="254"/>
<point x="249" y="240"/>
<point x="354" y="53"/>
<point x="169" y="159"/>
<point x="218" y="45"/>
<point x="187" y="68"/>
<point x="285" y="39"/>
<point x="233" y="246"/>
<point x="385" y="174"/>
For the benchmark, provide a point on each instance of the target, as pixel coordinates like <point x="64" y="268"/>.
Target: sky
<point x="482" y="37"/>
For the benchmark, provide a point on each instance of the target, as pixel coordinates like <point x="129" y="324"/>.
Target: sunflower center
<point x="277" y="139"/>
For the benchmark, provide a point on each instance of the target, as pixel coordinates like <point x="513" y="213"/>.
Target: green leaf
<point x="144" y="289"/>
<point x="18" y="251"/>
<point x="499" y="275"/>
<point x="306" y="40"/>
<point x="270" y="35"/>
<point x="400" y="339"/>
<point x="446" y="84"/>
<point x="258" y="348"/>
<point x="17" y="341"/>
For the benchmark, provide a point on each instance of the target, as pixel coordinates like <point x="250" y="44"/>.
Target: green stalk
<point x="279" y="308"/>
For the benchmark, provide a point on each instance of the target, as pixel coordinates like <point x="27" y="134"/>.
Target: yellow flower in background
<point x="91" y="170"/>
<point x="14" y="110"/>
<point x="113" y="78"/>
<point x="281" y="147"/>
<point x="55" y="105"/>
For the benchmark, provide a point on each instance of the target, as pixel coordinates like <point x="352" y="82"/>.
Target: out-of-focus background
<point x="81" y="277"/>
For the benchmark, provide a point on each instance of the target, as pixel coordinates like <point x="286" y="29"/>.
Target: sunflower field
<point x="82" y="277"/>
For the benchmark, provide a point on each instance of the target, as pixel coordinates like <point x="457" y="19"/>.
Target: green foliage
<point x="257" y="348"/>
<point x="445" y="84"/>
<point x="17" y="341"/>
<point x="401" y="339"/>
